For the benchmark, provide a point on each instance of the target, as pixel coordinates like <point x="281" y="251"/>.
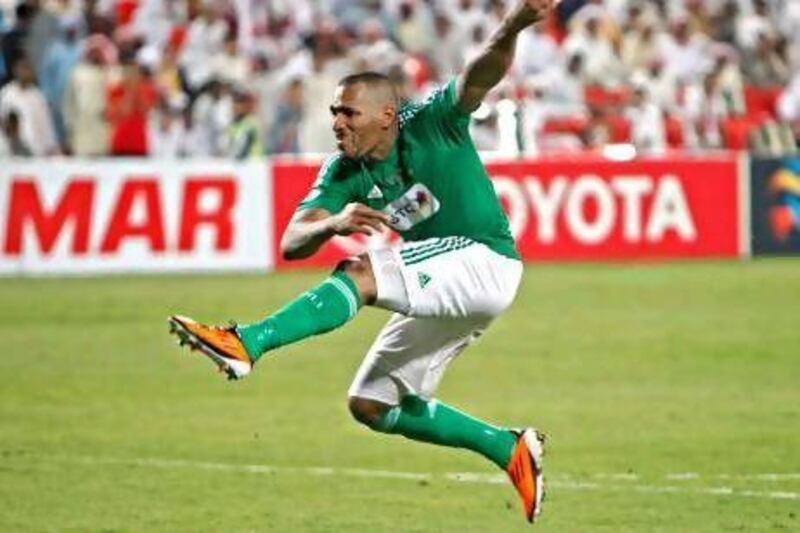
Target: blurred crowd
<point x="244" y="78"/>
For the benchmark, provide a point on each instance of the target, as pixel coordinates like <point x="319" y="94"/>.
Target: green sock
<point x="438" y="423"/>
<point x="323" y="308"/>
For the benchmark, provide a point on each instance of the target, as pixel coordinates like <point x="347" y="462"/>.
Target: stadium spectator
<point x="11" y="142"/>
<point x="261" y="44"/>
<point x="449" y="55"/>
<point x="763" y="65"/>
<point x="284" y="135"/>
<point x="565" y="94"/>
<point x="752" y="25"/>
<point x="243" y="138"/>
<point x="266" y="84"/>
<point x="55" y="71"/>
<point x="705" y="107"/>
<point x="641" y="46"/>
<point x="602" y="65"/>
<point x="84" y="104"/>
<point x="414" y="27"/>
<point x="476" y="36"/>
<point x="228" y="63"/>
<point x="204" y="39"/>
<point x="155" y="20"/>
<point x="13" y="42"/>
<point x="466" y="14"/>
<point x="129" y="103"/>
<point x="533" y="114"/>
<point x="537" y="51"/>
<point x="686" y="55"/>
<point x="790" y="27"/>
<point x="374" y="51"/>
<point x="648" y="132"/>
<point x="193" y="139"/>
<point x="789" y="100"/>
<point x="44" y="29"/>
<point x="724" y="22"/>
<point x="212" y="114"/>
<point x="698" y="18"/>
<point x="729" y="80"/>
<point x="661" y="86"/>
<point x="483" y="129"/>
<point x="165" y="128"/>
<point x="495" y="11"/>
<point x="167" y="73"/>
<point x="352" y="14"/>
<point x="23" y="97"/>
<point x="327" y="63"/>
<point x="95" y="22"/>
<point x="789" y="106"/>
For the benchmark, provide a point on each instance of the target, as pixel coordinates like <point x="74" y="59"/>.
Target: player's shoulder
<point x="336" y="167"/>
<point x="411" y="112"/>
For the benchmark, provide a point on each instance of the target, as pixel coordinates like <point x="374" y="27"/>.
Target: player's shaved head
<point x="380" y="89"/>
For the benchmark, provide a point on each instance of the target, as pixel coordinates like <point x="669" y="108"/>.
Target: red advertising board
<point x="597" y="209"/>
<point x="582" y="209"/>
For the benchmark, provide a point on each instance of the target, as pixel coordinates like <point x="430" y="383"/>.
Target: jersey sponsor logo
<point x="416" y="205"/>
<point x="375" y="193"/>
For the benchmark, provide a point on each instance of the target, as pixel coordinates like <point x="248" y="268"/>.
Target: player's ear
<point x="388" y="116"/>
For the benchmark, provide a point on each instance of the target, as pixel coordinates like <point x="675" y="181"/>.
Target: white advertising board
<point x="107" y="216"/>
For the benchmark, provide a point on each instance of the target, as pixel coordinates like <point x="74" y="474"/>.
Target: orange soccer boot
<point x="220" y="344"/>
<point x="525" y="470"/>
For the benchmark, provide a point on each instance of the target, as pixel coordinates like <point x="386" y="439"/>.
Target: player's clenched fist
<point x="358" y="218"/>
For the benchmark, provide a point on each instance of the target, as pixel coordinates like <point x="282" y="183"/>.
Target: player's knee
<point x="359" y="270"/>
<point x="367" y="412"/>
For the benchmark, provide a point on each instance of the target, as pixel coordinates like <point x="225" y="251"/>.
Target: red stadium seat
<point x="619" y="129"/>
<point x="125" y="10"/>
<point x="602" y="97"/>
<point x="760" y="100"/>
<point x="736" y="131"/>
<point x="674" y="132"/>
<point x="576" y="125"/>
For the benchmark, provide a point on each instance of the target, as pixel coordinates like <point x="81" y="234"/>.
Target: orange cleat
<point x="220" y="344"/>
<point x="525" y="470"/>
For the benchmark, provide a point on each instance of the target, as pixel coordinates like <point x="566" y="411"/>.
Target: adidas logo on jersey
<point x="375" y="193"/>
<point x="423" y="279"/>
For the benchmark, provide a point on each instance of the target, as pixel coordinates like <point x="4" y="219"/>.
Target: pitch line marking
<point x="563" y="482"/>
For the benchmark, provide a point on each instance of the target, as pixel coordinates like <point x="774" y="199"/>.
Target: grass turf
<point x="637" y="372"/>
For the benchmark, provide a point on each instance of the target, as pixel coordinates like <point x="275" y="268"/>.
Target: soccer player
<point x="413" y="168"/>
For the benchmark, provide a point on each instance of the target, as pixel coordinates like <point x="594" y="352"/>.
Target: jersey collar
<point x="385" y="171"/>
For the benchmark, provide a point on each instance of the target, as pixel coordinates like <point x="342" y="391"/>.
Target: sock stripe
<point x="345" y="290"/>
<point x="388" y="421"/>
<point x="348" y="294"/>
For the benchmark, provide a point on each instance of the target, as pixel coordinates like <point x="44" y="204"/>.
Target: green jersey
<point x="433" y="183"/>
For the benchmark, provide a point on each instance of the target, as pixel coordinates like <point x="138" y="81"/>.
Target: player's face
<point x="356" y="120"/>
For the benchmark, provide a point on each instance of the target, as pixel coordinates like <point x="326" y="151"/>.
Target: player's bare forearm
<point x="306" y="233"/>
<point x="311" y="228"/>
<point x="488" y="68"/>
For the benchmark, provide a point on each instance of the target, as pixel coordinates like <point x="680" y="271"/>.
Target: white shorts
<point x="445" y="292"/>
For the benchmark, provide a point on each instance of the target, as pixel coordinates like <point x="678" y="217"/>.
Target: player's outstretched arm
<point x="311" y="228"/>
<point x="489" y="67"/>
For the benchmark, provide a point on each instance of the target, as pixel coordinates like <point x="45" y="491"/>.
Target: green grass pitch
<point x="671" y="393"/>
